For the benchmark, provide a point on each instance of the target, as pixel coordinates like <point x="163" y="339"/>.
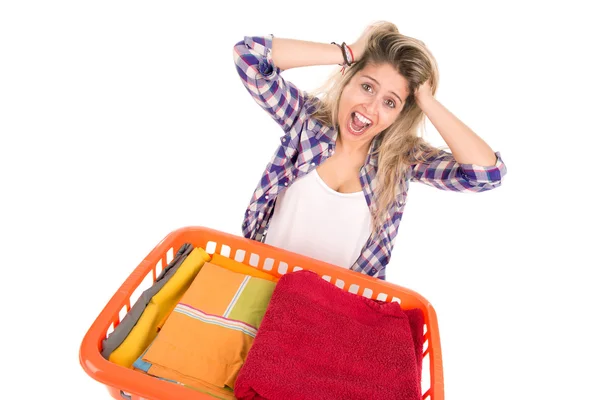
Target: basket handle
<point x="124" y="395"/>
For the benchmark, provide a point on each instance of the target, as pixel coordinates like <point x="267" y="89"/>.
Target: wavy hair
<point x="401" y="144"/>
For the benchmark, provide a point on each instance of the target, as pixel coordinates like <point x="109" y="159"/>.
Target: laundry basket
<point x="125" y="383"/>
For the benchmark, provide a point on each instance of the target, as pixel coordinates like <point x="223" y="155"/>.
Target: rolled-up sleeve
<point x="445" y="173"/>
<point x="262" y="78"/>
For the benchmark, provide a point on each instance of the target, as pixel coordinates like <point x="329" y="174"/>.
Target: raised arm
<point x="444" y="172"/>
<point x="291" y="53"/>
<point x="259" y="61"/>
<point x="472" y="165"/>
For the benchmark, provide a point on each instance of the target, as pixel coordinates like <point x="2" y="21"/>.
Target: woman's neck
<point x="352" y="150"/>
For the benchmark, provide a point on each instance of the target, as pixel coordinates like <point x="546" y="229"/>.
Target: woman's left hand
<point x="359" y="46"/>
<point x="423" y="93"/>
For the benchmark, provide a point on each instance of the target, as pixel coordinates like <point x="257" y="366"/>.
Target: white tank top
<point x="314" y="220"/>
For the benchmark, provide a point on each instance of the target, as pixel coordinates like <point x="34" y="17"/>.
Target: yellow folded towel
<point x="159" y="307"/>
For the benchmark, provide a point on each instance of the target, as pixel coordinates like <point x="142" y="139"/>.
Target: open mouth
<point x="358" y="123"/>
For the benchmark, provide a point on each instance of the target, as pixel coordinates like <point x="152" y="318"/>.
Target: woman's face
<point x="371" y="102"/>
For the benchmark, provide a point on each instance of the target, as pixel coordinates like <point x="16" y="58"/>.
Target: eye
<point x="391" y="103"/>
<point x="367" y="87"/>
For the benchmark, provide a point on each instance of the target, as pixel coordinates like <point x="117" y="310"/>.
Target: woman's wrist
<point x="347" y="54"/>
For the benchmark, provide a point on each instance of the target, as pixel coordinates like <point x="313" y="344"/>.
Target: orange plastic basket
<point x="125" y="383"/>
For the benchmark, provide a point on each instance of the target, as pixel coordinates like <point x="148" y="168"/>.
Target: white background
<point x="122" y="121"/>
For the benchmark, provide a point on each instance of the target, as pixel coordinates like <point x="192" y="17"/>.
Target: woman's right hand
<point x="359" y="46"/>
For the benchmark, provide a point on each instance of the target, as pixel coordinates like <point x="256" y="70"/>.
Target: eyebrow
<point x="375" y="80"/>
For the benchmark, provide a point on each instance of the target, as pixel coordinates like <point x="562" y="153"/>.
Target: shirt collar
<point x="373" y="158"/>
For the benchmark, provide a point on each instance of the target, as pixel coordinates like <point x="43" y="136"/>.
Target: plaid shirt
<point x="306" y="144"/>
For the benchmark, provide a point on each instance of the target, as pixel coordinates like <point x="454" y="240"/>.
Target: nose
<point x="370" y="107"/>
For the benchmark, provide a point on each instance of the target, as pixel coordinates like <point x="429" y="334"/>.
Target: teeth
<point x="363" y="119"/>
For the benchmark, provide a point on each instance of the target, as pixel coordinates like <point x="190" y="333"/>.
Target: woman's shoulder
<point x="317" y="113"/>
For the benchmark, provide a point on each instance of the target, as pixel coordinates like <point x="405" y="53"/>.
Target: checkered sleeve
<point x="444" y="172"/>
<point x="262" y="78"/>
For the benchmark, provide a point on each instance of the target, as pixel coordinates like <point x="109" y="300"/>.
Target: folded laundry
<point x="159" y="307"/>
<point x="205" y="340"/>
<point x="172" y="376"/>
<point x="317" y="341"/>
<point x="121" y="331"/>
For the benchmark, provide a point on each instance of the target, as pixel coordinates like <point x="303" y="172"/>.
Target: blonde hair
<point x="400" y="144"/>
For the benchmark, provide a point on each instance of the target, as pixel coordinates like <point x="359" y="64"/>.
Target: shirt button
<point x="267" y="197"/>
<point x="283" y="140"/>
<point x="285" y="183"/>
<point x="313" y="164"/>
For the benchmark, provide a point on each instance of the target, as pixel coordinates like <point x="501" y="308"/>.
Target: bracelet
<point x="347" y="54"/>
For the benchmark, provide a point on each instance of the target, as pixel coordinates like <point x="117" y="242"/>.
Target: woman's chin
<point x="348" y="134"/>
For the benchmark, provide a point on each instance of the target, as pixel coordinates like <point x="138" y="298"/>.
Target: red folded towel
<point x="317" y="341"/>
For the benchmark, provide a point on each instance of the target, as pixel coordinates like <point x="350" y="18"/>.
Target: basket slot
<point x="426" y="378"/>
<point x="353" y="288"/>
<point x="397" y="300"/>
<point x="382" y="296"/>
<point x="157" y="270"/>
<point x="340" y="283"/>
<point x="113" y="324"/>
<point x="146" y="283"/>
<point x="123" y="312"/>
<point x="368" y="293"/>
<point x="169" y="257"/>
<point x="254" y="259"/>
<point x="111" y="328"/>
<point x="326" y="278"/>
<point x="240" y="255"/>
<point x="225" y="250"/>
<point x="297" y="268"/>
<point x="283" y="267"/>
<point x="268" y="264"/>
<point x="210" y="247"/>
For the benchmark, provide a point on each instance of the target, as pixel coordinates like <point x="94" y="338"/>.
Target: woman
<point x="336" y="187"/>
